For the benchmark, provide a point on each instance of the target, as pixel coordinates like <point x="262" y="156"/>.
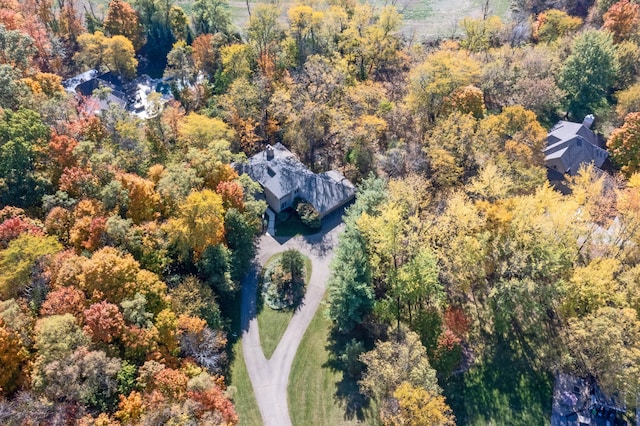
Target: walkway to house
<point x="270" y="377"/>
<point x="271" y="227"/>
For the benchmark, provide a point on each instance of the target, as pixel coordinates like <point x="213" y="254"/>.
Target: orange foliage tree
<point x="624" y="144"/>
<point x="12" y="356"/>
<point x="622" y="20"/>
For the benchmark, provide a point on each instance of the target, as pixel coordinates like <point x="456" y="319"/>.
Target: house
<point x="570" y="145"/>
<point x="284" y="178"/>
<point x="133" y="96"/>
<point x="580" y="402"/>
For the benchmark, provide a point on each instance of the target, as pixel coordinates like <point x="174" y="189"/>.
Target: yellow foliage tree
<point x="200" y="223"/>
<point x="419" y="407"/>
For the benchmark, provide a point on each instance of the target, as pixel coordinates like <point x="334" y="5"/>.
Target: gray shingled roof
<point x="569" y="145"/>
<point x="284" y="174"/>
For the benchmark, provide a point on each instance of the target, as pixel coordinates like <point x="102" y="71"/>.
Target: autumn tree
<point x="143" y="202"/>
<point x="199" y="131"/>
<point x="103" y="322"/>
<point x="439" y="76"/>
<point x="589" y="73"/>
<point x="481" y="33"/>
<point x="13" y="354"/>
<point x="554" y="24"/>
<point x="370" y="41"/>
<point x="179" y="23"/>
<point x="194" y="298"/>
<point x="418" y="407"/>
<point x="82" y="376"/>
<point x="200" y="223"/>
<point x="604" y="345"/>
<point x="115" y="53"/>
<point x="264" y="30"/>
<point x="206" y="53"/>
<point x="622" y="20"/>
<point x="64" y="300"/>
<point x="123" y="20"/>
<point x="400" y="360"/>
<point x="18" y="259"/>
<point x="624" y="144"/>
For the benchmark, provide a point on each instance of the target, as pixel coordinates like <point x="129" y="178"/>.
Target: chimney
<point x="588" y="121"/>
<point x="269" y="152"/>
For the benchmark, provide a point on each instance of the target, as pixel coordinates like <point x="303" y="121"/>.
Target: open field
<point x="422" y="18"/>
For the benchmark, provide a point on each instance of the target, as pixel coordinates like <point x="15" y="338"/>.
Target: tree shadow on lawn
<point x="504" y="388"/>
<point x="348" y="396"/>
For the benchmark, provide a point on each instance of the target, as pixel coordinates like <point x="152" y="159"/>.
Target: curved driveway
<point x="270" y="377"/>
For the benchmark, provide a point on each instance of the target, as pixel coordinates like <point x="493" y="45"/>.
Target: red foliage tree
<point x="103" y="322"/>
<point x="456" y="321"/>
<point x="214" y="400"/>
<point x="13" y="227"/>
<point x="61" y="154"/>
<point x="77" y="181"/>
<point x="64" y="300"/>
<point x="232" y="195"/>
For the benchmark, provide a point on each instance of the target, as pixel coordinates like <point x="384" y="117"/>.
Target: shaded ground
<point x="503" y="389"/>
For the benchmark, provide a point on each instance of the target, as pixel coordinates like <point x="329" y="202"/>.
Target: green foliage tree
<point x="154" y="16"/>
<point x="23" y="137"/>
<point x="180" y="64"/>
<point x="56" y="337"/>
<point x="589" y="73"/>
<point x="211" y="16"/>
<point x="193" y="298"/>
<point x="16" y="48"/>
<point x="351" y="295"/>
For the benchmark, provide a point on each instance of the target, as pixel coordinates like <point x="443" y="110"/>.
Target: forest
<point x="463" y="281"/>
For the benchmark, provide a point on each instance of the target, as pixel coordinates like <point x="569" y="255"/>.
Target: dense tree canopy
<point x="124" y="240"/>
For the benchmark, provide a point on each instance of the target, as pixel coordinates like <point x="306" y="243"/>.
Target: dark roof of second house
<point x="132" y="95"/>
<point x="578" y="402"/>
<point x="570" y="145"/>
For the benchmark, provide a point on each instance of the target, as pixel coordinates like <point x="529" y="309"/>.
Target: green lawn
<point x="503" y="389"/>
<point x="243" y="399"/>
<point x="272" y="324"/>
<point x="313" y="385"/>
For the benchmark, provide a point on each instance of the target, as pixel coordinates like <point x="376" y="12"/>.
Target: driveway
<point x="270" y="377"/>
